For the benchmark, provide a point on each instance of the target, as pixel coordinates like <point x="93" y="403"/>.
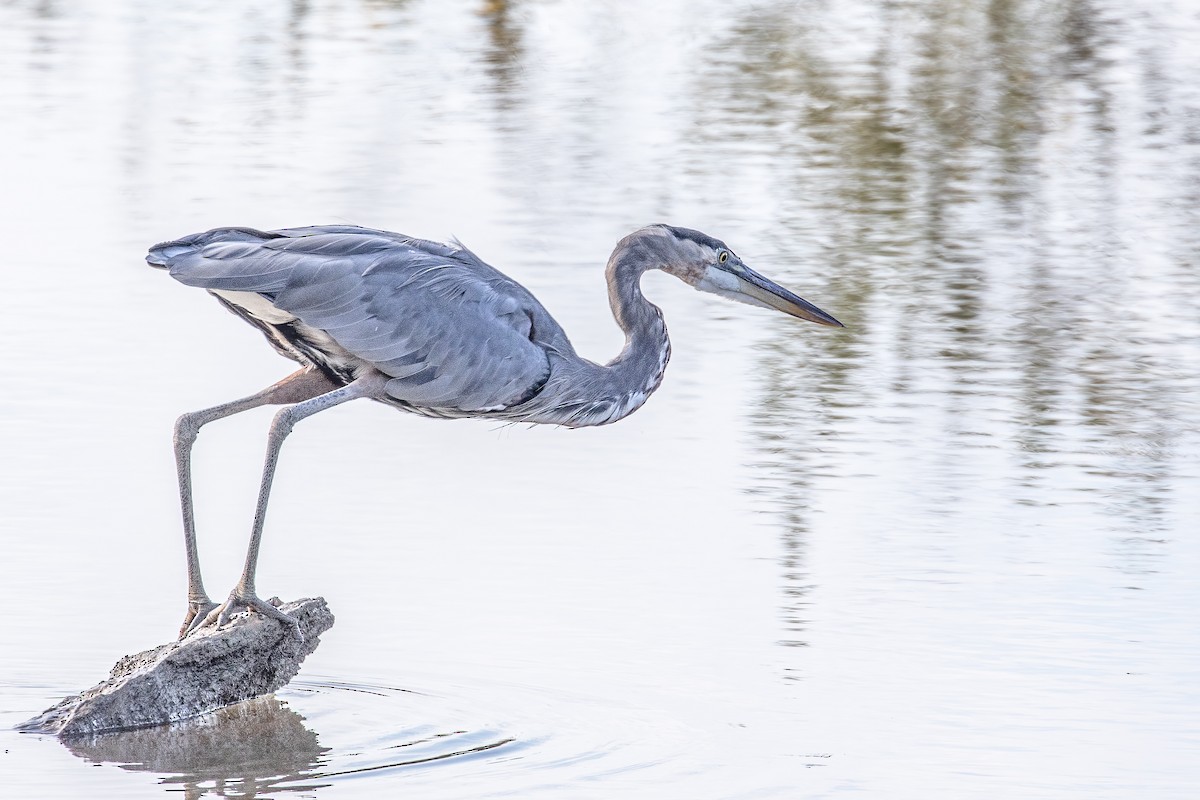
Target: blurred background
<point x="950" y="550"/>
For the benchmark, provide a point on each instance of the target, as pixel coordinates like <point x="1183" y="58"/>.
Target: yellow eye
<point x="723" y="257"/>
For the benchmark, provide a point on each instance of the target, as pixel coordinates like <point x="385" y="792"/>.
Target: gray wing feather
<point x="449" y="330"/>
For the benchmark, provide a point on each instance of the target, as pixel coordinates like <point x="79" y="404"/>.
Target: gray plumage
<point x="432" y="329"/>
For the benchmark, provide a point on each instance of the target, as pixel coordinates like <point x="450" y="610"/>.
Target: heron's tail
<point x="162" y="254"/>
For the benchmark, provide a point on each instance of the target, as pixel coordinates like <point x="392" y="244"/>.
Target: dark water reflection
<point x="252" y="749"/>
<point x="264" y="748"/>
<point x="1004" y="196"/>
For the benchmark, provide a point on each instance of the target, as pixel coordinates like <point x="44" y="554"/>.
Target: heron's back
<point x="455" y="336"/>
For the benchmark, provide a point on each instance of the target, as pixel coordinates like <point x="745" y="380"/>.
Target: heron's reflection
<point x="241" y="751"/>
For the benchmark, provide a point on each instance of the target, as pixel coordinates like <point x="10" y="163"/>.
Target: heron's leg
<point x="298" y="386"/>
<point x="243" y="595"/>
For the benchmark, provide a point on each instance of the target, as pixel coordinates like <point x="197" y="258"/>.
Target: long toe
<point x="269" y="610"/>
<point x="196" y="613"/>
<point x="220" y="615"/>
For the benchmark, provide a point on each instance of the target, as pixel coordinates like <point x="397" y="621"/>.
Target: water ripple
<point x="322" y="732"/>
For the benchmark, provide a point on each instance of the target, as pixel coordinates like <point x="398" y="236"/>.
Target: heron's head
<point x="709" y="265"/>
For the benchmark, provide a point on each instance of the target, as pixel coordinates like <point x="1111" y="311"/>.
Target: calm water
<point x="950" y="551"/>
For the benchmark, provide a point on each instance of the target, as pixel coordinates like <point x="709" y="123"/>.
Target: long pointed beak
<point x="769" y="293"/>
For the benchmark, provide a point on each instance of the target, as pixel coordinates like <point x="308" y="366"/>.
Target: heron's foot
<point x="240" y="601"/>
<point x="197" y="611"/>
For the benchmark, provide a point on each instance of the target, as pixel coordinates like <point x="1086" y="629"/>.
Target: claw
<point x="197" y="611"/>
<point x="217" y="616"/>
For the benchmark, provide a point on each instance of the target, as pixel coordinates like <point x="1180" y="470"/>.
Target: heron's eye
<point x="723" y="256"/>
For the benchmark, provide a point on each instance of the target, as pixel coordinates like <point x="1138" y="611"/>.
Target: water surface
<point x="949" y="551"/>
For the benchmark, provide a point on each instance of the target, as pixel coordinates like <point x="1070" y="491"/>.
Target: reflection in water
<point x="504" y="56"/>
<point x="245" y="750"/>
<point x="989" y="194"/>
<point x="991" y="197"/>
<point x="262" y="748"/>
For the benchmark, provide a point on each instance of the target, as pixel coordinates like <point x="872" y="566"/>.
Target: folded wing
<point x="450" y="331"/>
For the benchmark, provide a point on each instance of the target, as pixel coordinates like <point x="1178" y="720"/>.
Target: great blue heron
<point x="428" y="328"/>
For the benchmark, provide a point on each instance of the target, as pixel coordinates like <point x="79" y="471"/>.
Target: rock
<point x="250" y="656"/>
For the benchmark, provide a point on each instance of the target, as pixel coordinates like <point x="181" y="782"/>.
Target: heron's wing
<point x="547" y="331"/>
<point x="450" y="331"/>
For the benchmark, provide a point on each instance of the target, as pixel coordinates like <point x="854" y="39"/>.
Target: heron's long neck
<point x="638" y="369"/>
<point x="582" y="393"/>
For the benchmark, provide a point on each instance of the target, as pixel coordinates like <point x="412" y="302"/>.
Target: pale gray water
<point x="951" y="551"/>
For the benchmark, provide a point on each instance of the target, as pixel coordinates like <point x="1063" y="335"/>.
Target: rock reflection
<point x="242" y="751"/>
